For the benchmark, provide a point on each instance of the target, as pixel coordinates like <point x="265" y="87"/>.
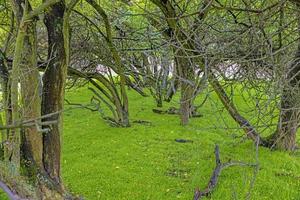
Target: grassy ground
<point x="144" y="161"/>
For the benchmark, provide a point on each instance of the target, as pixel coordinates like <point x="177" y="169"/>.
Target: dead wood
<point x="287" y="174"/>
<point x="183" y="141"/>
<point x="176" y="111"/>
<point x="144" y="122"/>
<point x="198" y="194"/>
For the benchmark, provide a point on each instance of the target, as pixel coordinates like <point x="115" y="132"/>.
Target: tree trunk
<point x="172" y="88"/>
<point x="118" y="64"/>
<point x="17" y="182"/>
<point x="184" y="63"/>
<point x="6" y="100"/>
<point x="285" y="136"/>
<point x="13" y="139"/>
<point x="232" y="110"/>
<point x="27" y="107"/>
<point x="53" y="88"/>
<point x="187" y="88"/>
<point x="30" y="98"/>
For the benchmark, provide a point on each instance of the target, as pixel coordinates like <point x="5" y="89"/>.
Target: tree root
<point x="41" y="192"/>
<point x="113" y="123"/>
<point x="20" y="188"/>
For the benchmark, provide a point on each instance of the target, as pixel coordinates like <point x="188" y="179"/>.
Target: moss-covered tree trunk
<point x="32" y="182"/>
<point x="53" y="88"/>
<point x="30" y="97"/>
<point x="13" y="139"/>
<point x="25" y="106"/>
<point x="6" y="100"/>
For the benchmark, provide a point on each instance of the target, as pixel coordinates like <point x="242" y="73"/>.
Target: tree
<point x="39" y="158"/>
<point x="185" y="65"/>
<point x="288" y="122"/>
<point x="54" y="79"/>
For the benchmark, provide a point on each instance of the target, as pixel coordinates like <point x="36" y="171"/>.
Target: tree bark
<point x="284" y="137"/>
<point x="186" y="75"/>
<point x="30" y="98"/>
<point x="4" y="74"/>
<point x="53" y="88"/>
<point x="44" y="183"/>
<point x="13" y="139"/>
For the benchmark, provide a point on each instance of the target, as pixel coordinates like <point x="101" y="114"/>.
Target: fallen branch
<point x="183" y="141"/>
<point x="215" y="175"/>
<point x="170" y="111"/>
<point x="176" y="111"/>
<point x="287" y="174"/>
<point x="144" y="122"/>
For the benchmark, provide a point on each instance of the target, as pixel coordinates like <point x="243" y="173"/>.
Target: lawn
<point x="145" y="162"/>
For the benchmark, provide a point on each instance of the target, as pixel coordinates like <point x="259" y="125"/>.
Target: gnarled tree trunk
<point x="285" y="136"/>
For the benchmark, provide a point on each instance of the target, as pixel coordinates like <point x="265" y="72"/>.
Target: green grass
<point x="144" y="162"/>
